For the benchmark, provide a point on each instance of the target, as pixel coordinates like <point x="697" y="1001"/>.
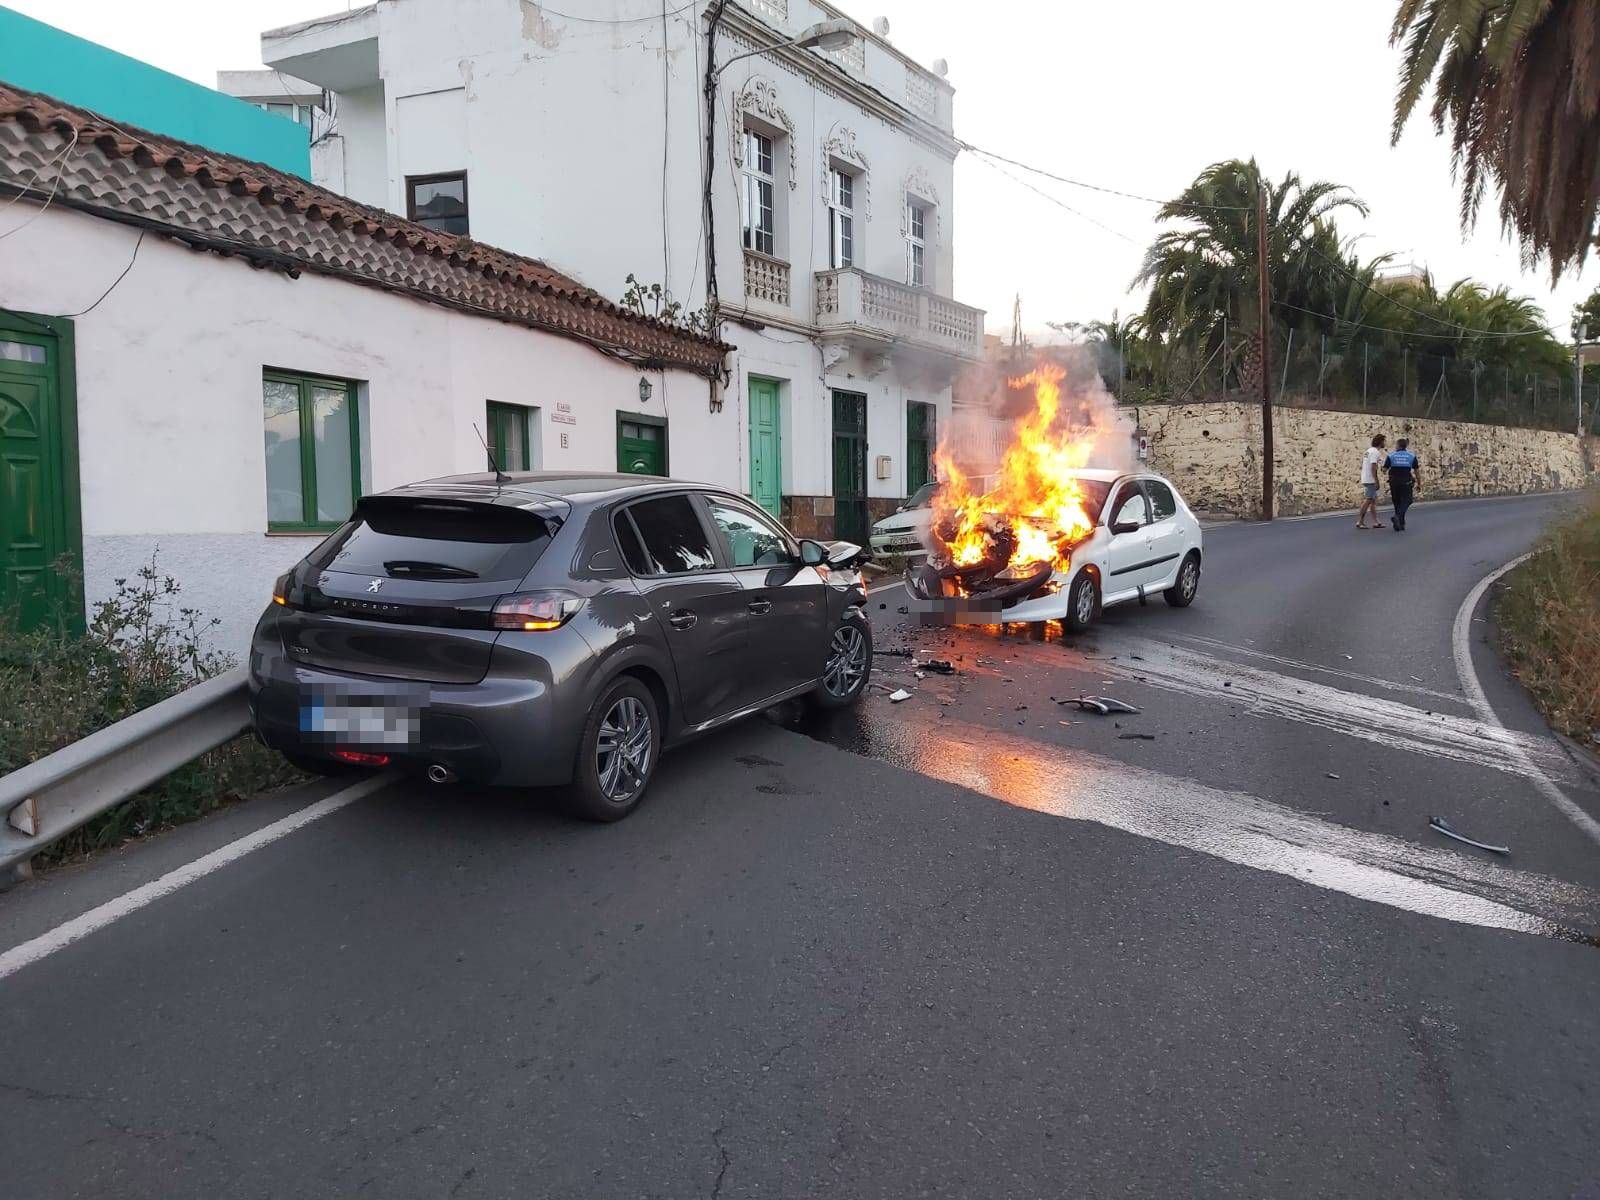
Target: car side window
<point x="632" y="549"/>
<point x="751" y="541"/>
<point x="1131" y="508"/>
<point x="673" y="539"/>
<point x="1162" y="504"/>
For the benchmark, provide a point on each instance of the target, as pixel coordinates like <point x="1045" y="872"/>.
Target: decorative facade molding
<point x="841" y="144"/>
<point x="760" y="96"/>
<point x="917" y="183"/>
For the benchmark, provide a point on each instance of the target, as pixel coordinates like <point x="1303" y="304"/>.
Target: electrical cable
<point x="547" y="11"/>
<point x="60" y="171"/>
<point x="132" y="258"/>
<point x="666" y="129"/>
<point x="1095" y="187"/>
<point x="1056" y="200"/>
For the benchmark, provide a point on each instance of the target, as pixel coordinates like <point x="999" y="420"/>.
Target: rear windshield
<point x="405" y="538"/>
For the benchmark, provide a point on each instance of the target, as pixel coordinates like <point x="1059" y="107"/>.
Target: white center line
<point x="14" y="959"/>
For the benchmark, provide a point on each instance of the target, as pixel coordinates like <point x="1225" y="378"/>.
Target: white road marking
<point x="1243" y="829"/>
<point x="1300" y="665"/>
<point x="1461" y="639"/>
<point x="1372" y="718"/>
<point x="14" y="959"/>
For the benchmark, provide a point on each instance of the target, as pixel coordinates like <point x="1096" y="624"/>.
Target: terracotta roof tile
<point x="235" y="206"/>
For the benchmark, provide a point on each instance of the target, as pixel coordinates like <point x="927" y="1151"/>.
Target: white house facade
<point x="206" y="360"/>
<point x="581" y="136"/>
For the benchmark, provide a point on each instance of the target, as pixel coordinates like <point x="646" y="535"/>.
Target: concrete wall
<point x="169" y="368"/>
<point x="42" y="58"/>
<point x="1213" y="453"/>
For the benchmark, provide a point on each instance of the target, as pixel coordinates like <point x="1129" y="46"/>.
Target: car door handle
<point x="682" y="619"/>
<point x="759" y="607"/>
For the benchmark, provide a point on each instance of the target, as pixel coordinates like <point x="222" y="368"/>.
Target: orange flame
<point x="1033" y="495"/>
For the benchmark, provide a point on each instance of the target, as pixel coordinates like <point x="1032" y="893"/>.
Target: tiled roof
<point x="237" y="207"/>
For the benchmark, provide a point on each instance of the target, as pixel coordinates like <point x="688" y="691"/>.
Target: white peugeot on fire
<point x="1143" y="540"/>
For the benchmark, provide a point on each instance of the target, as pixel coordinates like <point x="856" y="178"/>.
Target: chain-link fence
<point x="1379" y="377"/>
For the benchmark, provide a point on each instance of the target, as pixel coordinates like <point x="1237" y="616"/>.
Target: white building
<point x="209" y="358"/>
<point x="579" y="136"/>
<point x="279" y="94"/>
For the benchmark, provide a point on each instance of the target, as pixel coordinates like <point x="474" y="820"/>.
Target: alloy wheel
<point x="623" y="749"/>
<point x="847" y="662"/>
<point x="1084" y="603"/>
<point x="1190" y="579"/>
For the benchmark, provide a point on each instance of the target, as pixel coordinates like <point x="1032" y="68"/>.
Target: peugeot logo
<point x="375" y="585"/>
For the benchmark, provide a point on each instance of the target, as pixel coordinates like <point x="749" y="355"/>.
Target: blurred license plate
<point x="361" y="723"/>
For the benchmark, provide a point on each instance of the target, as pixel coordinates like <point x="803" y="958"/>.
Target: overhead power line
<point x="1096" y="187"/>
<point x="1060" y="203"/>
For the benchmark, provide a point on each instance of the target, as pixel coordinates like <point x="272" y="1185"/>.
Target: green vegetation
<point x="1517" y="85"/>
<point x="141" y="647"/>
<point x="1549" y="617"/>
<point x="1345" y="330"/>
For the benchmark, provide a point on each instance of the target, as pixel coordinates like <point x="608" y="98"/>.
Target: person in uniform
<point x="1403" y="467"/>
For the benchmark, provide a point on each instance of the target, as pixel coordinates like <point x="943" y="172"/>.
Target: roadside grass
<point x="1549" y="617"/>
<point x="141" y="646"/>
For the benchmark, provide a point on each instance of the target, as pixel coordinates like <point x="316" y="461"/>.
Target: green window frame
<point x="509" y="430"/>
<point x="277" y="388"/>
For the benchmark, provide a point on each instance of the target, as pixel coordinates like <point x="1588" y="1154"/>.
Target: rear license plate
<point x="361" y="724"/>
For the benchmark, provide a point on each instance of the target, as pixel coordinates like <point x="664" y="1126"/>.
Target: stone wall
<point x="1213" y="453"/>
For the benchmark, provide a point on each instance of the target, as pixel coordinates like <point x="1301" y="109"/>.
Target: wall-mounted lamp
<point x="644" y="390"/>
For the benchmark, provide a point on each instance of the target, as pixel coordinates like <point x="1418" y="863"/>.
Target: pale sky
<point x="1138" y="95"/>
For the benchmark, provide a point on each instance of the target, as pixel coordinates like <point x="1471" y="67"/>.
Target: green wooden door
<point x="33" y="524"/>
<point x="920" y="441"/>
<point x="766" y="446"/>
<point x="850" y="467"/>
<point x="641" y="447"/>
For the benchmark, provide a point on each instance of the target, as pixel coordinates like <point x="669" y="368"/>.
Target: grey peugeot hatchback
<point x="544" y="629"/>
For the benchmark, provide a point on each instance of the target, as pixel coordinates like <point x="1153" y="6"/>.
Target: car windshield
<point x="1094" y="497"/>
<point x="923" y="496"/>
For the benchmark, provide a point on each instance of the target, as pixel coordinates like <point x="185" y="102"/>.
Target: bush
<point x="1549" y="617"/>
<point x="141" y="647"/>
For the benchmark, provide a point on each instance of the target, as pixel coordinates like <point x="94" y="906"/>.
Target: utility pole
<point x="1265" y="301"/>
<point x="1577" y="370"/>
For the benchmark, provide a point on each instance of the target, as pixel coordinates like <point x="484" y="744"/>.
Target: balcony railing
<point x="852" y="300"/>
<point x="766" y="279"/>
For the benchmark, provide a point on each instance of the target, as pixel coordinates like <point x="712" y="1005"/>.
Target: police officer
<point x="1403" y="467"/>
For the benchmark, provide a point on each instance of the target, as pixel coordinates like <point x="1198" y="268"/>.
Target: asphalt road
<point x="948" y="947"/>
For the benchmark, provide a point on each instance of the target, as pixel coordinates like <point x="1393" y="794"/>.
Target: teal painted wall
<point x="42" y="58"/>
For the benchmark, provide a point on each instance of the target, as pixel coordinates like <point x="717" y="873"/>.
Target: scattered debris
<point x="882" y="606"/>
<point x="940" y="666"/>
<point x="1020" y="708"/>
<point x="1117" y="705"/>
<point x="897" y="653"/>
<point x="1227" y="683"/>
<point x="1440" y="825"/>
<point x="1417" y="678"/>
<point x="1136" y="737"/>
<point x="902" y="610"/>
<point x="919" y="674"/>
<point x="1331" y="775"/>
<point x="1137" y="657"/>
<point x="1068" y="723"/>
<point x="898" y="695"/>
<point x="1104" y="705"/>
<point x="1350" y="657"/>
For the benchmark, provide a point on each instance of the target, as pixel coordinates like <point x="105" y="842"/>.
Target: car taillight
<point x="361" y="758"/>
<point x="280" y="589"/>
<point x="529" y="611"/>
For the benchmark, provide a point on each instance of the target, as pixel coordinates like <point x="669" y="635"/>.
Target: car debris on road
<point x="1104" y="705"/>
<point x="1440" y="825"/>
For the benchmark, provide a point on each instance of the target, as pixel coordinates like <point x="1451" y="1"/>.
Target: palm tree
<point x="1206" y="270"/>
<point x="1517" y="82"/>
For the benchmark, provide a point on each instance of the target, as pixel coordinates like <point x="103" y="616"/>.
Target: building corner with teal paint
<point x="42" y="58"/>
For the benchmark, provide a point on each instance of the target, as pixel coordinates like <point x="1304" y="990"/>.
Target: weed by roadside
<point x="141" y="646"/>
<point x="1549" y="616"/>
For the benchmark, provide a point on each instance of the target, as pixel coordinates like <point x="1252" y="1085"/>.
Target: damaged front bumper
<point x="950" y="597"/>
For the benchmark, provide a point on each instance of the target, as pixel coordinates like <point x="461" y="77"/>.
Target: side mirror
<point x="1126" y="527"/>
<point x="812" y="554"/>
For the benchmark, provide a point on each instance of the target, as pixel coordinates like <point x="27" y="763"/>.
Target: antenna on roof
<point x="499" y="475"/>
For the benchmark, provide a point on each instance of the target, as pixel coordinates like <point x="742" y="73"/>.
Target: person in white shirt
<point x="1370" y="462"/>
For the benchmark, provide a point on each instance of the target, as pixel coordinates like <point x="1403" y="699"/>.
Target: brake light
<point x="535" y="611"/>
<point x="361" y="758"/>
<point x="280" y="589"/>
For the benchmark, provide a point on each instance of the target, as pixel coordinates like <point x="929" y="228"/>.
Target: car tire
<point x="1181" y="593"/>
<point x="1083" y="602"/>
<point x="617" y="753"/>
<point x="848" y="666"/>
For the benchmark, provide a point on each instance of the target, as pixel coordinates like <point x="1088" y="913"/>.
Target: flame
<point x="1035" y="502"/>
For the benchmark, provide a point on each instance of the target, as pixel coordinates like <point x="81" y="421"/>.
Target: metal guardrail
<point x="51" y="797"/>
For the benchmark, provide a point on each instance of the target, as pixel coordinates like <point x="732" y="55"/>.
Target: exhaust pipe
<point x="439" y="773"/>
